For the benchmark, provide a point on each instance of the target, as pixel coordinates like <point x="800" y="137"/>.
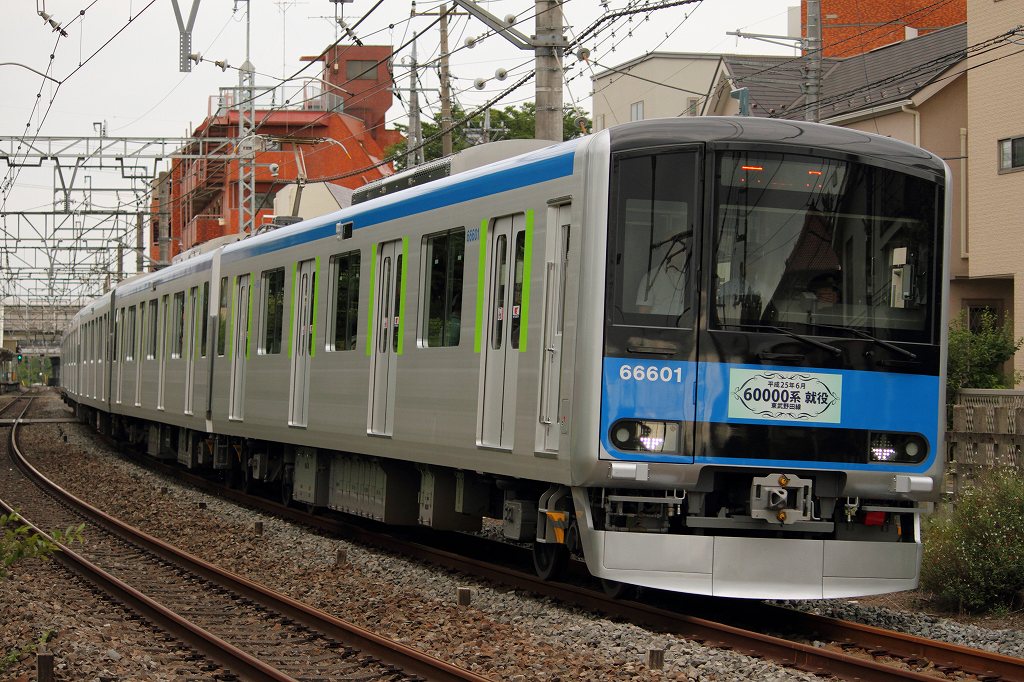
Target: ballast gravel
<point x="504" y="634"/>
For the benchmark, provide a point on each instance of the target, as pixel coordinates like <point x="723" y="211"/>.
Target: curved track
<point x="854" y="651"/>
<point x="253" y="632"/>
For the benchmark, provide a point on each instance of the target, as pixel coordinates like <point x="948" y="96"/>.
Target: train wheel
<point x="550" y="560"/>
<point x="286" y="491"/>
<point x="247" y="479"/>
<point x="617" y="590"/>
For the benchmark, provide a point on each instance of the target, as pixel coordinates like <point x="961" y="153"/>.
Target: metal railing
<point x="987" y="434"/>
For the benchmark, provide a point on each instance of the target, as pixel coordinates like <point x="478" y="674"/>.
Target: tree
<point x="510" y="123"/>
<point x="977" y="356"/>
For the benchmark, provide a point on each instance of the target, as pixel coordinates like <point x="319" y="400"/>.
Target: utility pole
<point x="185" y="35"/>
<point x="415" y="155"/>
<point x="246" y="139"/>
<point x="446" y="102"/>
<point x="549" y="70"/>
<point x="445" y="76"/>
<point x="547" y="45"/>
<point x="140" y="243"/>
<point x="812" y="86"/>
<point x="164" y="223"/>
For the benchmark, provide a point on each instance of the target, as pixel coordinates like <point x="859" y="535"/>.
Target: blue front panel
<point x="858" y="400"/>
<point x="647" y="389"/>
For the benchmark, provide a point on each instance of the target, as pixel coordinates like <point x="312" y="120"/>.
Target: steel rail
<point x="387" y="651"/>
<point x="942" y="654"/>
<point x="201" y="640"/>
<point x="782" y="650"/>
<point x="803" y="656"/>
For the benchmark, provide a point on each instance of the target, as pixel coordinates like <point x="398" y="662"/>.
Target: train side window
<point x="222" y="317"/>
<point x="151" y="349"/>
<point x="385" y="291"/>
<point x="118" y="323"/>
<point x="165" y="307"/>
<point x="651" y="261"/>
<point x="204" y="311"/>
<point x="515" y="319"/>
<point x="272" y="288"/>
<point x="442" y="306"/>
<point x="397" y="304"/>
<point x="500" y="277"/>
<point x="345" y="314"/>
<point x="129" y="346"/>
<point x="178" y="324"/>
<point x="137" y="332"/>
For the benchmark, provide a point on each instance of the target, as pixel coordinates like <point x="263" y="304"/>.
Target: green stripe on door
<point x="401" y="300"/>
<point x="524" y="317"/>
<point x="480" y="277"/>
<point x="231" y="317"/>
<point x="369" y="304"/>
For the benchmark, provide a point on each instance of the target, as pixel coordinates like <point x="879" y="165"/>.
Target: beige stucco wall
<point x="614" y="93"/>
<point x="943" y="119"/>
<point x="996" y="103"/>
<point x="897" y="125"/>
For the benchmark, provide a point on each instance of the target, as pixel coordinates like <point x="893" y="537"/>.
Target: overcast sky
<point x="135" y="86"/>
<point x="118" y="68"/>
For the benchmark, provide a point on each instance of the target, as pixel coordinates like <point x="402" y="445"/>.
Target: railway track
<point x="853" y="651"/>
<point x="253" y="632"/>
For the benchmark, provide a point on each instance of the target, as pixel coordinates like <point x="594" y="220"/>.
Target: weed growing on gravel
<point x="17" y="653"/>
<point x="974" y="549"/>
<point x="18" y="541"/>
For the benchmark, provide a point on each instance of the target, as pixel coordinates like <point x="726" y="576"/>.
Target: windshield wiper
<point x="865" y="335"/>
<point x="799" y="337"/>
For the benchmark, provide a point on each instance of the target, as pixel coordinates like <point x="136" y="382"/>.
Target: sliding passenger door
<point x="165" y="316"/>
<point x="554" y="318"/>
<point x="386" y="336"/>
<point x="504" y="330"/>
<point x="136" y="347"/>
<point x="303" y="290"/>
<point x="190" y="349"/>
<point x="119" y="351"/>
<point x="240" y="349"/>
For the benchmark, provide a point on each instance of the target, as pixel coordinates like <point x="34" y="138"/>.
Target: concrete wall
<point x="996" y="234"/>
<point x="645" y="80"/>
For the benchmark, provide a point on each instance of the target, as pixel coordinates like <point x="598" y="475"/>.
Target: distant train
<point x="705" y="354"/>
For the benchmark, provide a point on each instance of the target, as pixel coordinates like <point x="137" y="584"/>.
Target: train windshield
<point x="819" y="246"/>
<point x="652" y="264"/>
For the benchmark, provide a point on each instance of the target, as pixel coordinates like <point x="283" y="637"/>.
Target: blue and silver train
<point x="702" y="354"/>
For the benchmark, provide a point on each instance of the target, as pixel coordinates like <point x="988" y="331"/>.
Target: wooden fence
<point x="988" y="433"/>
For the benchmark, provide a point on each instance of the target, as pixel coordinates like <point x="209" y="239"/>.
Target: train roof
<point x="548" y="163"/>
<point x="752" y="130"/>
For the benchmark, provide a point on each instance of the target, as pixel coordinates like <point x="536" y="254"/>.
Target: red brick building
<point x="334" y="128"/>
<point x="852" y="27"/>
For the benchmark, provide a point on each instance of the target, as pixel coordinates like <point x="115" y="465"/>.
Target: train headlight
<point x="900" y="448"/>
<point x="645" y="435"/>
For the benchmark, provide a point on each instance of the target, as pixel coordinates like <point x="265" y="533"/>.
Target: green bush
<point x="974" y="550"/>
<point x="977" y="356"/>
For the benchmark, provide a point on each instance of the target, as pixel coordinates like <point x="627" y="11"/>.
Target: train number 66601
<point x="651" y="373"/>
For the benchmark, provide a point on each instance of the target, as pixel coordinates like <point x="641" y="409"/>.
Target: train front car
<point x="772" y="395"/>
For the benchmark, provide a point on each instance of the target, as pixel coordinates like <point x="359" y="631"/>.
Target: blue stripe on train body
<point x="529" y="169"/>
<point x="664" y="390"/>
